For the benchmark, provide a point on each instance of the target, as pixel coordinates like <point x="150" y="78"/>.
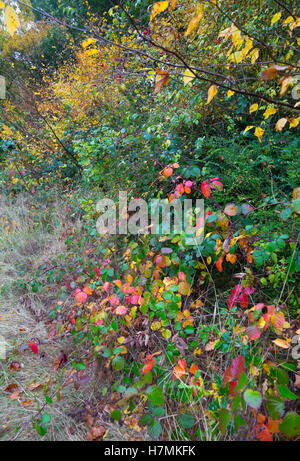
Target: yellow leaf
<point x="87" y="42"/>
<point x="253" y="108"/>
<point x="288" y="20"/>
<point x="10" y="20"/>
<point x="230" y="93"/>
<point x="269" y="111"/>
<point x="248" y="128"/>
<point x="281" y="343"/>
<point x="259" y="133"/>
<point x="155" y="326"/>
<point x="173" y="4"/>
<point x="193" y="24"/>
<point x="2" y="5"/>
<point x="254" y="55"/>
<point x="212" y="91"/>
<point x="158" y="8"/>
<point x="294" y="122"/>
<point x="286" y="81"/>
<point x="188" y="76"/>
<point x="162" y="79"/>
<point x="280" y="124"/>
<point x="276" y="18"/>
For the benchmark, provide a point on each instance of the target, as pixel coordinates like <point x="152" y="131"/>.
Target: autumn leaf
<point x="212" y="91"/>
<point x="230" y="93"/>
<point x="230" y="209"/>
<point x="188" y="77"/>
<point x="280" y="124"/>
<point x="173" y="4"/>
<point x="275" y="18"/>
<point x="269" y="73"/>
<point x="162" y="79"/>
<point x="121" y="310"/>
<point x="248" y="128"/>
<point x="180" y="369"/>
<point x="281" y="343"/>
<point x="158" y="8"/>
<point x="253" y="108"/>
<point x="193" y="24"/>
<point x="33" y="347"/>
<point x="259" y="133"/>
<point x="269" y="111"/>
<point x="10" y="20"/>
<point x="285" y="83"/>
<point x="149" y="364"/>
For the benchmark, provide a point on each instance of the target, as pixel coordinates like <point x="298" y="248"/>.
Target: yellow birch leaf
<point x="281" y="343"/>
<point x="294" y="122"/>
<point x="286" y="81"/>
<point x="87" y="42"/>
<point x="280" y="124"/>
<point x="158" y="8"/>
<point x="230" y="93"/>
<point x="188" y="76"/>
<point x="248" y="128"/>
<point x="10" y="20"/>
<point x="162" y="79"/>
<point x="269" y="111"/>
<point x="212" y="91"/>
<point x="259" y="133"/>
<point x="275" y="18"/>
<point x="193" y="24"/>
<point x="254" y="55"/>
<point x="253" y="108"/>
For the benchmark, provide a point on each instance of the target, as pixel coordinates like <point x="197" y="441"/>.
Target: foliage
<point x="185" y="100"/>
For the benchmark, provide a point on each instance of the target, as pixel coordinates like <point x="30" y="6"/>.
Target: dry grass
<point x="29" y="239"/>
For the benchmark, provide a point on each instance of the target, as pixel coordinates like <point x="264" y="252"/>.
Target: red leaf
<point x="219" y="264"/>
<point x="243" y="300"/>
<point x="149" y="364"/>
<point x="238" y="366"/>
<point x="205" y="188"/>
<point x="34" y="348"/>
<point x="253" y="332"/>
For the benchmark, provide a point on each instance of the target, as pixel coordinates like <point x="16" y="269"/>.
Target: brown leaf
<point x="95" y="433"/>
<point x="269" y="73"/>
<point x="162" y="79"/>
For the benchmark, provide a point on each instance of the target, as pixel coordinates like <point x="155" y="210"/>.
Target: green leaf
<point x="224" y="418"/>
<point x="186" y="420"/>
<point x="286" y="393"/>
<point x="145" y="419"/>
<point x="118" y="363"/>
<point x="46" y="418"/>
<point x="156" y="395"/>
<point x="116" y="415"/>
<point x="158" y="411"/>
<point x="243" y="381"/>
<point x="154" y="429"/>
<point x="253" y="398"/>
<point x="290" y="425"/>
<point x="275" y="407"/>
